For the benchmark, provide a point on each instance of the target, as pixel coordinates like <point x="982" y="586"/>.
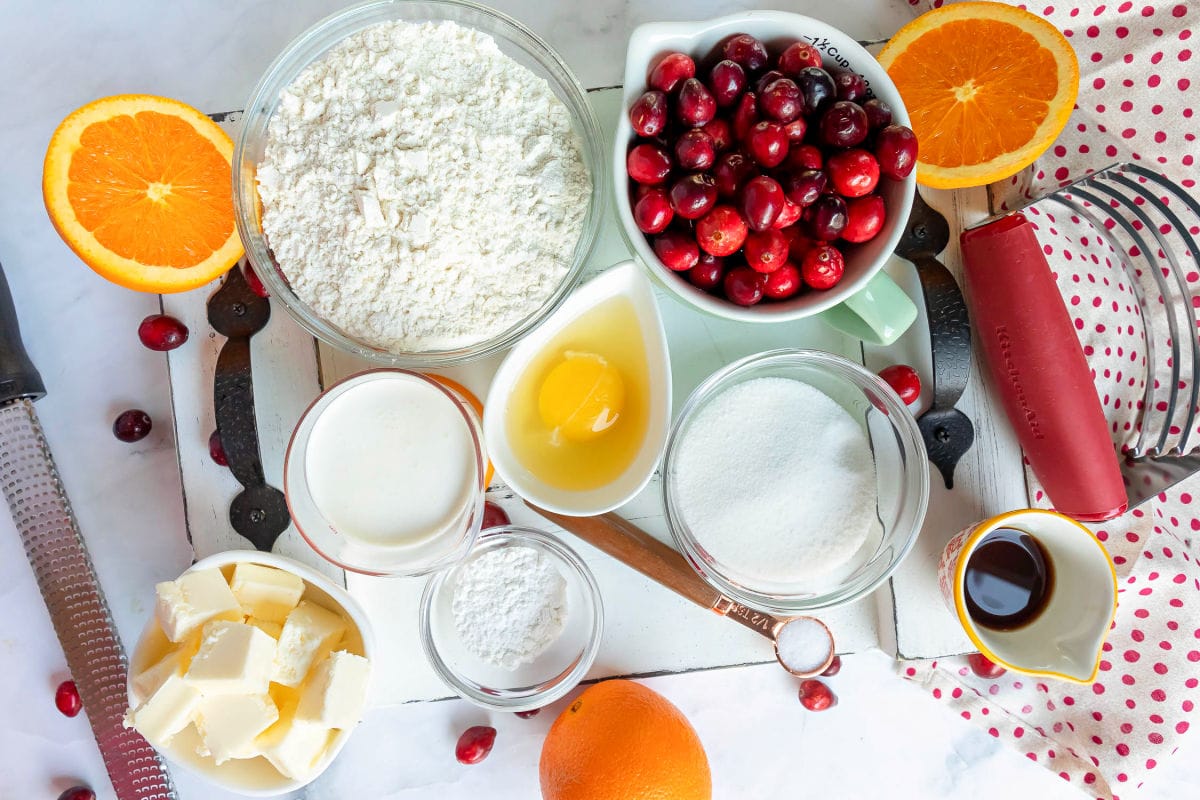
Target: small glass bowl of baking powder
<point x="558" y="661"/>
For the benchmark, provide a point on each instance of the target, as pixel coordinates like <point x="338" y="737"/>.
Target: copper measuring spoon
<point x="635" y="548"/>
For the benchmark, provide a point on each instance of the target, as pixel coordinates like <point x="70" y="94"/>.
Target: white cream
<point x="391" y="462"/>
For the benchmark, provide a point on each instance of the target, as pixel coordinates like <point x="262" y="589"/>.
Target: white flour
<point x="420" y="189"/>
<point x="777" y="482"/>
<point x="509" y="605"/>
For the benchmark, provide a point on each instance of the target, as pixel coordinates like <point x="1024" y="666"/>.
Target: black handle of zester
<point x="19" y="378"/>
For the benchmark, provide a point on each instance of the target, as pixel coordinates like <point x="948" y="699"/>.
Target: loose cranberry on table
<point x="766" y="250"/>
<point x="767" y="142"/>
<point x="896" y="151"/>
<point x="722" y="231"/>
<point x="834" y="667"/>
<point x="708" y="272"/>
<point x="823" y="267"/>
<point x="826" y="218"/>
<point x="984" y="667"/>
<point x="78" y="793"/>
<point x="783" y="283"/>
<point x="132" y="425"/>
<point x="649" y="164"/>
<point x="67" y="700"/>
<point x="762" y="200"/>
<point x="670" y="70"/>
<point x="864" y="218"/>
<point x="745" y="50"/>
<point x="905" y="382"/>
<point x="798" y="55"/>
<point x="652" y="213"/>
<point x="726" y="80"/>
<point x="744" y="286"/>
<point x="844" y="124"/>
<point x="677" y="250"/>
<point x="648" y="114"/>
<point x="695" y="149"/>
<point x="693" y="196"/>
<point x="216" y="449"/>
<point x="695" y="104"/>
<point x="853" y="173"/>
<point x="162" y="332"/>
<point x="493" y="516"/>
<point x="879" y="113"/>
<point x="815" y="695"/>
<point x="475" y="744"/>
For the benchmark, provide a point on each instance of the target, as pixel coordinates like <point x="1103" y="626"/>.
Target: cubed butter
<point x="167" y="712"/>
<point x="266" y="593"/>
<point x="184" y="605"/>
<point x="309" y="634"/>
<point x="228" y="724"/>
<point x="336" y="691"/>
<point x="293" y="747"/>
<point x="175" y="662"/>
<point x="272" y="629"/>
<point x="234" y="658"/>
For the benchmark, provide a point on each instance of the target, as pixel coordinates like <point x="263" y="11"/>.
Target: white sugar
<point x="777" y="482"/>
<point x="804" y="645"/>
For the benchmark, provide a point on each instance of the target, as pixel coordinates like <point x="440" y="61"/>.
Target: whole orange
<point x="622" y="741"/>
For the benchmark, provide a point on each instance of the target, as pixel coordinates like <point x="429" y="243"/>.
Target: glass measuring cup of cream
<point x="384" y="474"/>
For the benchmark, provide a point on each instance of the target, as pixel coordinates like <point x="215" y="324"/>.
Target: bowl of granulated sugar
<point x="419" y="183"/>
<point x="795" y="480"/>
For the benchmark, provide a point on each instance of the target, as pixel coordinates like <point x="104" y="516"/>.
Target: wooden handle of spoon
<point x="635" y="548"/>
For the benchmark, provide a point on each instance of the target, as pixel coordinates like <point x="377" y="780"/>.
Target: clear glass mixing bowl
<point x="901" y="473"/>
<point x="514" y="40"/>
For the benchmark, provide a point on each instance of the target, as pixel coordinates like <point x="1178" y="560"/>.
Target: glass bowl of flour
<point x="516" y="624"/>
<point x="419" y="183"/>
<point x="795" y="480"/>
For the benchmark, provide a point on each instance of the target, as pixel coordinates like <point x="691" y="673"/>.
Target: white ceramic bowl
<point x="775" y="28"/>
<point x="256" y="777"/>
<point x="623" y="280"/>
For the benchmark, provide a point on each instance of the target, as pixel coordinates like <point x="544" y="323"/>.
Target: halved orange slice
<point x="988" y="87"/>
<point x="139" y="187"/>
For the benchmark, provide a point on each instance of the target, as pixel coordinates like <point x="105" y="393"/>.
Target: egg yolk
<point x="582" y="397"/>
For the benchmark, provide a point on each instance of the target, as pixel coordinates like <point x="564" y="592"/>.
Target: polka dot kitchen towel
<point x="1139" y="97"/>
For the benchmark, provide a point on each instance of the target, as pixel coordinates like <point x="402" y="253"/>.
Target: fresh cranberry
<point x="844" y="124"/>
<point x="745" y="115"/>
<point x="763" y="81"/>
<point x="648" y="163"/>
<point x="834" y="667"/>
<point x="783" y="283"/>
<point x="530" y="714"/>
<point x="78" y="793"/>
<point x="726" y="81"/>
<point x="823" y="267"/>
<point x="720" y="132"/>
<point x="693" y="196"/>
<point x="864" y="218"/>
<point x="767" y="143"/>
<point x="66" y="699"/>
<point x="806" y="156"/>
<point x="216" y="449"/>
<point x="475" y="744"/>
<point x="132" y="425"/>
<point x="906" y="383"/>
<point x="677" y="250"/>
<point x="708" y="272"/>
<point x="804" y="187"/>
<point x="653" y="213"/>
<point x="731" y="173"/>
<point x="673" y="68"/>
<point x="896" y="150"/>
<point x="648" y="114"/>
<point x="849" y="85"/>
<point x="826" y="218"/>
<point x="797" y="56"/>
<point x="162" y="332"/>
<point x="853" y="173"/>
<point x="695" y="149"/>
<point x="766" y="250"/>
<point x="879" y="113"/>
<point x="798" y="247"/>
<point x="817" y="89"/>
<point x="815" y="695"/>
<point x="789" y="215"/>
<point x="494" y="516"/>
<point x="980" y="664"/>
<point x="252" y="280"/>
<point x="721" y="231"/>
<point x="781" y="100"/>
<point x="744" y="286"/>
<point x="695" y="105"/>
<point x="796" y="130"/>
<point x="747" y="51"/>
<point x="762" y="201"/>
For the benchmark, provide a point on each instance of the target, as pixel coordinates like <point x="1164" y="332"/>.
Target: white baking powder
<point x="776" y="482"/>
<point x="509" y="605"/>
<point x="804" y="645"/>
<point x="420" y="189"/>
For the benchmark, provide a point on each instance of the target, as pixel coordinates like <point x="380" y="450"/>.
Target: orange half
<point x="988" y="88"/>
<point x="139" y="187"/>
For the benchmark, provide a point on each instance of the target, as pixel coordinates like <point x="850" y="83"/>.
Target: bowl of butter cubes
<point x="252" y="672"/>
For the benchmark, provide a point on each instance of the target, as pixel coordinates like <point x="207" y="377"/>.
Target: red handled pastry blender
<point x="1029" y="346"/>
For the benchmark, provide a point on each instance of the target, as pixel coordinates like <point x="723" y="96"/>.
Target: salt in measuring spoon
<point x="803" y="645"/>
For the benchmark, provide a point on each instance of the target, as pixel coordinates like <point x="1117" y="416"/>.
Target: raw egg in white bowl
<point x="577" y="416"/>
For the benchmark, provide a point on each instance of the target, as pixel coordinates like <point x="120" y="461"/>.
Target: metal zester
<point x="64" y="571"/>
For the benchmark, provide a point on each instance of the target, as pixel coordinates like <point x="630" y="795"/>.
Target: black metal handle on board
<point x="19" y="378"/>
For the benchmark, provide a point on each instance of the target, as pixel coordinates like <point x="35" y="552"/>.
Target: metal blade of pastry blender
<point x="64" y="571"/>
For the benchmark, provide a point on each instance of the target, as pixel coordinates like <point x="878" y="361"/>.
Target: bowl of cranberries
<point x="769" y="169"/>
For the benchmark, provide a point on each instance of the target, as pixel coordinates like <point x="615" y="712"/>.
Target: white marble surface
<point x="884" y="740"/>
